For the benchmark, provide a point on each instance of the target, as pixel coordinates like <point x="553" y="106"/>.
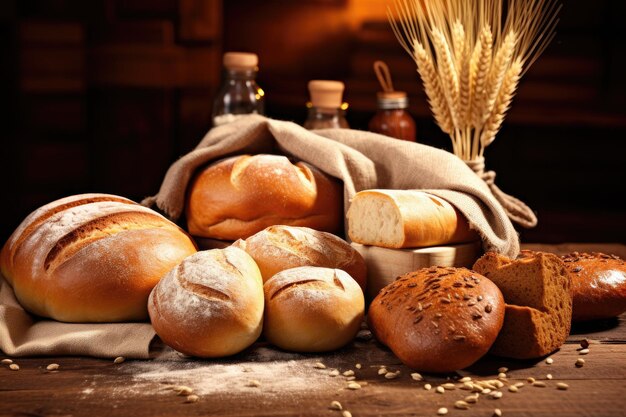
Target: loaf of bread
<point x="438" y="319"/>
<point x="312" y="309"/>
<point x="405" y="219"/>
<point x="537" y="292"/>
<point x="598" y="285"/>
<point x="91" y="258"/>
<point x="284" y="247"/>
<point x="211" y="305"/>
<point x="242" y="195"/>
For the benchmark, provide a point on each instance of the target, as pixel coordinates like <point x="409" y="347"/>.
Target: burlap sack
<point x="362" y="160"/>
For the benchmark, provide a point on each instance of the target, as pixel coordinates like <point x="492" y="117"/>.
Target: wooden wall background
<point x="103" y="95"/>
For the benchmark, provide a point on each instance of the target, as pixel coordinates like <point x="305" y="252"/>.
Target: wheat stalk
<point x="470" y="59"/>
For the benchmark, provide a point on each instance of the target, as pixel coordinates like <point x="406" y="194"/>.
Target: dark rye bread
<point x="438" y="319"/>
<point x="91" y="258"/>
<point x="537" y="291"/>
<point x="598" y="283"/>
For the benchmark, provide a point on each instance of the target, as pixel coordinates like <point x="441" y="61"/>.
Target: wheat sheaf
<point x="471" y="55"/>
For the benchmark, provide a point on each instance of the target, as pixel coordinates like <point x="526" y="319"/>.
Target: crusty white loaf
<point x="312" y="309"/>
<point x="405" y="219"/>
<point x="283" y="247"/>
<point x="242" y="195"/>
<point x="91" y="258"/>
<point x="211" y="305"/>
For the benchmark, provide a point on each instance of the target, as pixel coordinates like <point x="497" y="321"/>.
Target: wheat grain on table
<point x="364" y="378"/>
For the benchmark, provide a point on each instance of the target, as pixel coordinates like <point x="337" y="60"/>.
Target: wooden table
<point x="290" y="384"/>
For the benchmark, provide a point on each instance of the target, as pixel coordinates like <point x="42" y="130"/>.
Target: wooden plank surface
<point x="291" y="385"/>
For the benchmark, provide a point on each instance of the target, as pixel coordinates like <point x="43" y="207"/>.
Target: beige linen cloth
<point x="362" y="160"/>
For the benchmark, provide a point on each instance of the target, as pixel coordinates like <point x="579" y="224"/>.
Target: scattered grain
<point x="549" y="361"/>
<point x="333" y="373"/>
<point x="580" y="362"/>
<point x="449" y="386"/>
<point x="354" y="385"/>
<point x="442" y="411"/>
<point x="497" y="412"/>
<point x="14" y="367"/>
<point x="465" y="379"/>
<point x="472" y="399"/>
<point x="549" y="376"/>
<point x="348" y="373"/>
<point x="346" y="413"/>
<point x="416" y="377"/>
<point x="518" y="385"/>
<point x="583" y="351"/>
<point x="539" y="384"/>
<point x="319" y="365"/>
<point x="119" y="359"/>
<point x="183" y="390"/>
<point x="461" y="405"/>
<point x="513" y="388"/>
<point x="52" y="367"/>
<point x="382" y="371"/>
<point x="392" y="375"/>
<point x="440" y="390"/>
<point x="486" y="391"/>
<point x="562" y="386"/>
<point x="192" y="398"/>
<point x="336" y="405"/>
<point x="530" y="380"/>
<point x="501" y="375"/>
<point x="253" y="383"/>
<point x="503" y="369"/>
<point x="496" y="395"/>
<point x="358" y="366"/>
<point x="6" y="361"/>
<point x="427" y="387"/>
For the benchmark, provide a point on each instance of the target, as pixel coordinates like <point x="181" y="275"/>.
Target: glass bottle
<point x="326" y="109"/>
<point x="392" y="119"/>
<point x="239" y="93"/>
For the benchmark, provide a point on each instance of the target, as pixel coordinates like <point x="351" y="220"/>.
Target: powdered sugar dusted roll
<point x="211" y="305"/>
<point x="312" y="309"/>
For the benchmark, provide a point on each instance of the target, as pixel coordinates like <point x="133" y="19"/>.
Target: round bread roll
<point x="91" y="258"/>
<point x="284" y="247"/>
<point x="239" y="196"/>
<point x="598" y="284"/>
<point x="211" y="305"/>
<point x="312" y="309"/>
<point x="438" y="319"/>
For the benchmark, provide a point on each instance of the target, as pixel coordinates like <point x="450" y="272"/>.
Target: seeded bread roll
<point x="405" y="219"/>
<point x="211" y="305"/>
<point x="283" y="247"/>
<point x="537" y="291"/>
<point x="242" y="195"/>
<point x="438" y="319"/>
<point x="311" y="309"/>
<point x="91" y="258"/>
<point x="598" y="284"/>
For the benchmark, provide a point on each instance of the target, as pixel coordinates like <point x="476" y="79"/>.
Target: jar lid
<point x="392" y="100"/>
<point x="326" y="94"/>
<point x="240" y="60"/>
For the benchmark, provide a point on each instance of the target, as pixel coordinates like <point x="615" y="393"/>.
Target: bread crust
<point x="438" y="319"/>
<point x="598" y="284"/>
<point x="91" y="258"/>
<point x="425" y="220"/>
<point x="312" y="309"/>
<point x="242" y="195"/>
<point x="278" y="248"/>
<point x="211" y="305"/>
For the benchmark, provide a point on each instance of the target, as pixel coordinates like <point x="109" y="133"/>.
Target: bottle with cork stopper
<point x="239" y="94"/>
<point x="326" y="109"/>
<point x="392" y="119"/>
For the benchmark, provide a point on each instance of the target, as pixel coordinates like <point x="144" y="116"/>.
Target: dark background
<point x="102" y="95"/>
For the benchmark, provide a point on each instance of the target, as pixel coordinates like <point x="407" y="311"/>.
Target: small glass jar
<point x="392" y="119"/>
<point x="326" y="108"/>
<point x="239" y="93"/>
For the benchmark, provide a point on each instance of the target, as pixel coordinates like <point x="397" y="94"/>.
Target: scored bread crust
<point x="211" y="305"/>
<point x="277" y="248"/>
<point x="438" y="319"/>
<point x="312" y="309"/>
<point x="242" y="195"/>
<point x="598" y="284"/>
<point x="537" y="290"/>
<point x="405" y="219"/>
<point x="91" y="258"/>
